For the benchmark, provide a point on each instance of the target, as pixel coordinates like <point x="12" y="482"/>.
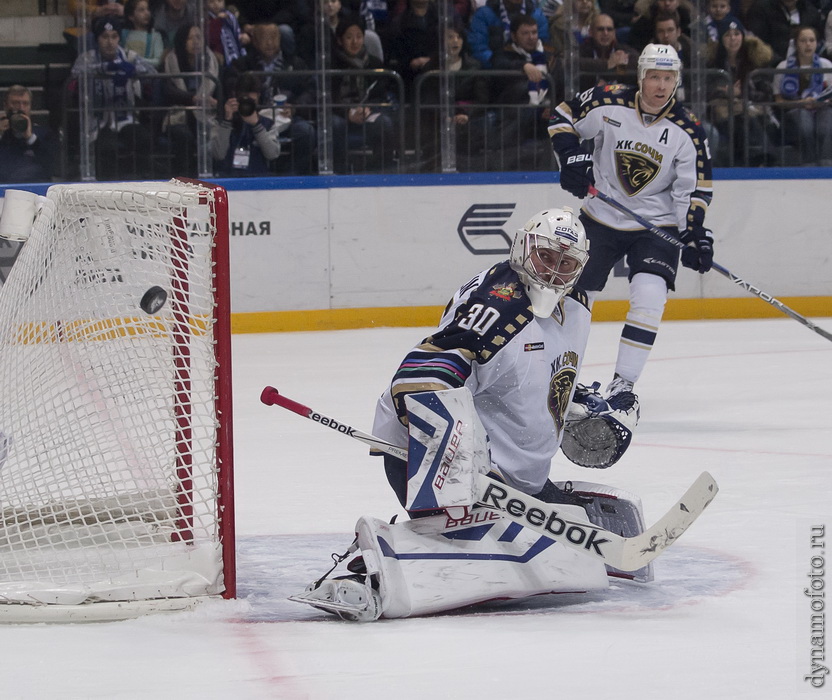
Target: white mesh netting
<point x="108" y="424"/>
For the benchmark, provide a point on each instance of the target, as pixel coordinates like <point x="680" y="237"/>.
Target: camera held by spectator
<point x="18" y="122"/>
<point x="246" y="106"/>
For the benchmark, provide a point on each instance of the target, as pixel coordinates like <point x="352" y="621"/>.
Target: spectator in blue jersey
<point x="530" y="91"/>
<point x="224" y="35"/>
<point x="123" y="142"/>
<point x="490" y="28"/>
<point x="245" y="143"/>
<point x="804" y="99"/>
<point x="27" y="151"/>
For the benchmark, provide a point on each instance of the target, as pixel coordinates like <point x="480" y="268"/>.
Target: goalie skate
<point x="350" y="598"/>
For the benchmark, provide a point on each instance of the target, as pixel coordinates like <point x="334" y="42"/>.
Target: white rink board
<point x="325" y="246"/>
<point x="394" y="246"/>
<point x="288" y="268"/>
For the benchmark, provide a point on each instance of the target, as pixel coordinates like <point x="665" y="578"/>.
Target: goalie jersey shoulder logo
<point x="486" y="316"/>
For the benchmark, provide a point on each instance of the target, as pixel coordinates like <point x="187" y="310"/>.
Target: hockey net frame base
<point x="124" y="506"/>
<point x="26" y="613"/>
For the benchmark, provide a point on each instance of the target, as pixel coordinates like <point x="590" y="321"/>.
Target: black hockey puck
<point x="153" y="300"/>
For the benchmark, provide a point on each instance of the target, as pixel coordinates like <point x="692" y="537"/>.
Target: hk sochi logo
<point x="481" y="229"/>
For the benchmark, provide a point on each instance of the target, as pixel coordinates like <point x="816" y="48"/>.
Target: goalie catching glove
<point x="599" y="431"/>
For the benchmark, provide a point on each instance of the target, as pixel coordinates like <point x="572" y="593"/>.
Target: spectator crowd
<point x="246" y="77"/>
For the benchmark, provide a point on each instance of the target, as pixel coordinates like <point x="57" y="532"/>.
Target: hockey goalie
<point x="467" y="430"/>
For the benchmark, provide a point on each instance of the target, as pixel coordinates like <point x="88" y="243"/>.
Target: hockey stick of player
<point x="548" y="519"/>
<point x="747" y="286"/>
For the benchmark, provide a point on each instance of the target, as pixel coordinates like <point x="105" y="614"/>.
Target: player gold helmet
<point x="549" y="254"/>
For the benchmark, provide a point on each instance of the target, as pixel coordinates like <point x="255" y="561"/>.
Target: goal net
<point x="115" y="415"/>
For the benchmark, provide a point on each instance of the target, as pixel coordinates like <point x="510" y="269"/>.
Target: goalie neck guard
<point x="549" y="254"/>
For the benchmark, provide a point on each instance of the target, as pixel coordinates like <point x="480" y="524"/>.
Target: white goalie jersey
<point x="521" y="371"/>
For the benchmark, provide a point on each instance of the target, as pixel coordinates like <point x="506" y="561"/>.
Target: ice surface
<point x="725" y="618"/>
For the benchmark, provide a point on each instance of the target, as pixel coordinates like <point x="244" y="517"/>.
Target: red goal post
<point x="116" y="459"/>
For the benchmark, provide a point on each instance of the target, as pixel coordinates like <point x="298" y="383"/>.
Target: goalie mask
<point x="660" y="57"/>
<point x="549" y="254"/>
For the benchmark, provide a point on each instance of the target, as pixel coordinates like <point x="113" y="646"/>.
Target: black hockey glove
<point x="576" y="172"/>
<point x="699" y="256"/>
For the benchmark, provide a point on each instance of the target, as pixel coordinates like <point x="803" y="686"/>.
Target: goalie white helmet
<point x="548" y="254"/>
<point x="659" y="57"/>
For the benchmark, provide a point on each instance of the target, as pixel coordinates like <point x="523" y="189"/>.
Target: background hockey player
<point x="514" y="337"/>
<point x="650" y="152"/>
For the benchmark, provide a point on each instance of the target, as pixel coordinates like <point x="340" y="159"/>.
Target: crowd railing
<point x="483" y="136"/>
<point x="770" y="134"/>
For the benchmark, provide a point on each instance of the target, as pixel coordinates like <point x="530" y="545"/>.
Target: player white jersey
<point x="520" y="369"/>
<point x="660" y="168"/>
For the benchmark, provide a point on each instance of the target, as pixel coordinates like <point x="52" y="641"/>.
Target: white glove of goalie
<point x="599" y="431"/>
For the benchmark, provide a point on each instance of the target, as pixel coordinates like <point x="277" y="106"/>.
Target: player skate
<point x="618" y="386"/>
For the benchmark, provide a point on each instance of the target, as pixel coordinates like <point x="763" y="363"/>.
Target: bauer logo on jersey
<point x="506" y="292"/>
<point x="635" y="171"/>
<point x="528" y="347"/>
<point x="611" y="122"/>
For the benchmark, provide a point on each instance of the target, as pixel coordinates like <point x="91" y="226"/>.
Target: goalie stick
<point x="563" y="523"/>
<point x="747" y="286"/>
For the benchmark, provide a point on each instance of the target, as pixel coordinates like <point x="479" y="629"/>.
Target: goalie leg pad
<point x="437" y="564"/>
<point x="616" y="510"/>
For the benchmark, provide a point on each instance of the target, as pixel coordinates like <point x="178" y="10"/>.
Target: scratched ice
<point x="726" y="618"/>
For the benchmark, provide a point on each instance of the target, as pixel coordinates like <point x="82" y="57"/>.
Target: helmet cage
<point x="548" y="254"/>
<point x="552" y="263"/>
